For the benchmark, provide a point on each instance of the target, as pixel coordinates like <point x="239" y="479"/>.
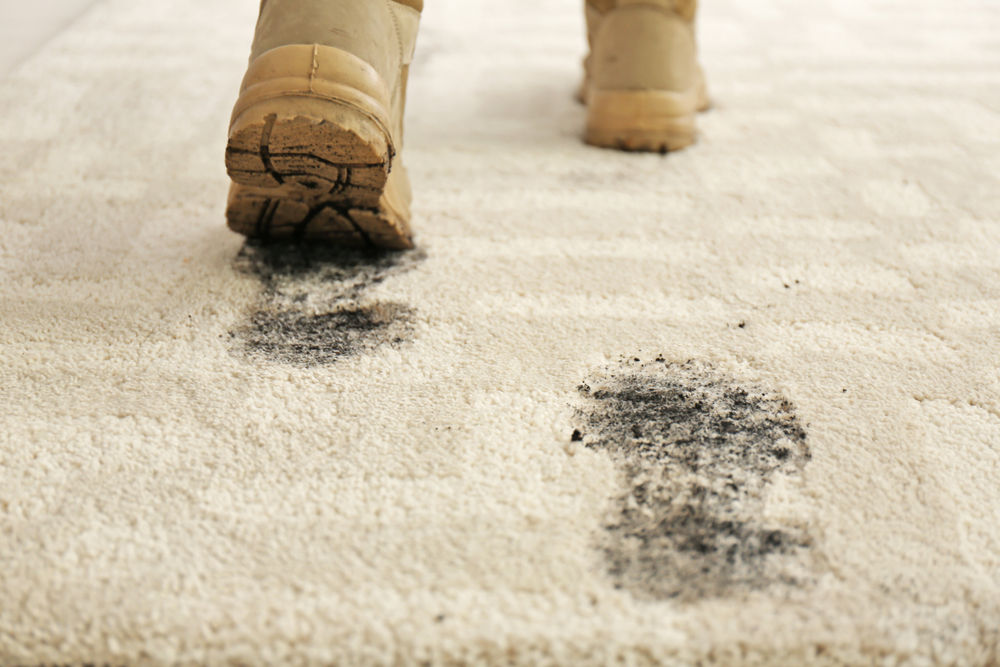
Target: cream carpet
<point x="738" y="405"/>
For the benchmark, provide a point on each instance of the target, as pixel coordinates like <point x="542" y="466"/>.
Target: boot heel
<point x="292" y="142"/>
<point x="311" y="117"/>
<point x="310" y="151"/>
<point x="643" y="120"/>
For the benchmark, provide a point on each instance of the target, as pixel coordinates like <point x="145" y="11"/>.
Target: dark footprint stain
<point x="313" y="309"/>
<point x="697" y="449"/>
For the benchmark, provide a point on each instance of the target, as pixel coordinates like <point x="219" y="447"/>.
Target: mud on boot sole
<point x="287" y="213"/>
<point x="310" y="153"/>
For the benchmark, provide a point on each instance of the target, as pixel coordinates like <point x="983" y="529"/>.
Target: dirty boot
<point x="316" y="131"/>
<point x="643" y="83"/>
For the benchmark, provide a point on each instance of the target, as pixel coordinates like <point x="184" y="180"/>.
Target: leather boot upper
<point x="642" y="45"/>
<point x="380" y="32"/>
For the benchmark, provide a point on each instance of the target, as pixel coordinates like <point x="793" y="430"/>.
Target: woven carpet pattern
<point x="737" y="405"/>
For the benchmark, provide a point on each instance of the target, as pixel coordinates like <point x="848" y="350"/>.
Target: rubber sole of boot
<point x="643" y="120"/>
<point x="279" y="213"/>
<point x="311" y="158"/>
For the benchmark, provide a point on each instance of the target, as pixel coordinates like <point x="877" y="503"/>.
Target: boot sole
<point x="643" y="120"/>
<point x="310" y="154"/>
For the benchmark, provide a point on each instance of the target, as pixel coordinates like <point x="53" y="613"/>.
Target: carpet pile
<point x="738" y="405"/>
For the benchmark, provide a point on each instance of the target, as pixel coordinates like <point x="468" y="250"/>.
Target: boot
<point x="643" y="84"/>
<point x="316" y="131"/>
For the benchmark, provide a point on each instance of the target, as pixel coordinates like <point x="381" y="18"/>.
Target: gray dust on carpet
<point x="315" y="307"/>
<point x="698" y="450"/>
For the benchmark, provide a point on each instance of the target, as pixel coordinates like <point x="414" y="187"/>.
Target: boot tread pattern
<point x="306" y="178"/>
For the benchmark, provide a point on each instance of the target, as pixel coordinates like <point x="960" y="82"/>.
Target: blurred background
<point x="25" y="25"/>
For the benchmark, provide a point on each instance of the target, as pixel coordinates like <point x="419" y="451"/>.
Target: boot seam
<point x="399" y="44"/>
<point x="315" y="68"/>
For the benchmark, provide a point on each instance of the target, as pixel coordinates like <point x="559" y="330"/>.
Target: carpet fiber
<point x="738" y="405"/>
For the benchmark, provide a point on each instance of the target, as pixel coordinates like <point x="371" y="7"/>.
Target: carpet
<point x="737" y="405"/>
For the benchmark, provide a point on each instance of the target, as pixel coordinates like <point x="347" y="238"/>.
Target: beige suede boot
<point x="643" y="83"/>
<point x="315" y="134"/>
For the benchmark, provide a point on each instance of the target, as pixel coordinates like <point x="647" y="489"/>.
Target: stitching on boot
<point x="315" y="66"/>
<point x="399" y="76"/>
<point x="399" y="42"/>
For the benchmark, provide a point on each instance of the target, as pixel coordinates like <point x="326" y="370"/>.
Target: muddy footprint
<point x="315" y="308"/>
<point x="698" y="450"/>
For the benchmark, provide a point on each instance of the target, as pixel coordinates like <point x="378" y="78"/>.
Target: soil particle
<point x="315" y="307"/>
<point x="698" y="450"/>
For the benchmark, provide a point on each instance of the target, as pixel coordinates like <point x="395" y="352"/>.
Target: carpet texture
<point x="738" y="405"/>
